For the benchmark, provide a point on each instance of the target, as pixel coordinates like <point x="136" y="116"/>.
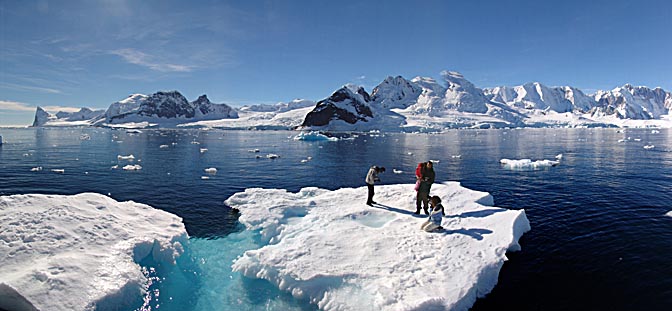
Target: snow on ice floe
<point x="332" y="249"/>
<point x="314" y="136"/>
<point x="80" y="252"/>
<point x="527" y="164"/>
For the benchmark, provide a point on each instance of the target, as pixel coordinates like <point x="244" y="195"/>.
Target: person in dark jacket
<point x="371" y="178"/>
<point x="434" y="221"/>
<point x="425" y="186"/>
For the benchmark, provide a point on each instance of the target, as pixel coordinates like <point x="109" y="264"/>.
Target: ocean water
<point x="599" y="240"/>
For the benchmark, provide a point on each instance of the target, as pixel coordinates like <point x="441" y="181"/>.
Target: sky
<point x="62" y="55"/>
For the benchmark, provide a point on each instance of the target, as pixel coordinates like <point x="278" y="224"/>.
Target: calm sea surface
<point x="600" y="239"/>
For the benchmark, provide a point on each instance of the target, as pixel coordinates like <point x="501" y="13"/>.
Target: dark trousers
<point x="369" y="200"/>
<point x="422" y="199"/>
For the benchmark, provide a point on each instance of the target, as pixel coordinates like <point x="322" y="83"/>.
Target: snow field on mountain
<point x="80" y="252"/>
<point x="330" y="248"/>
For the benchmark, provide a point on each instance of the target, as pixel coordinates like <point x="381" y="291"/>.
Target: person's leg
<point x="431" y="227"/>
<point x="425" y="202"/>
<point x="369" y="200"/>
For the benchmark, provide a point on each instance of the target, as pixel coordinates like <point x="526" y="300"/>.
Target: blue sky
<point x="93" y="53"/>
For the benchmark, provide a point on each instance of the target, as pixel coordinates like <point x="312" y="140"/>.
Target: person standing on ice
<point x="426" y="180"/>
<point x="435" y="218"/>
<point x="371" y="178"/>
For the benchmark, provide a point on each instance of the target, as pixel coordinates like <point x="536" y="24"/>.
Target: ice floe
<point x="136" y="167"/>
<point x="80" y="252"/>
<point x="314" y="136"/>
<point x="36" y="169"/>
<point x="58" y="170"/>
<point x="203" y="150"/>
<point x="396" y="171"/>
<point x="127" y="158"/>
<point x="272" y="156"/>
<point x="669" y="214"/>
<point x="649" y="147"/>
<point x="527" y="164"/>
<point x="211" y="170"/>
<point x="330" y="248"/>
<point x="163" y="146"/>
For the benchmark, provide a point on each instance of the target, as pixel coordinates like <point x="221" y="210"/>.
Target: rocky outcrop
<point x="347" y="104"/>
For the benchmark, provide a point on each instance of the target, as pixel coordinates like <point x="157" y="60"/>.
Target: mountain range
<point x="396" y="104"/>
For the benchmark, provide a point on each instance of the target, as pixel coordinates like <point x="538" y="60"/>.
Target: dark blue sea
<point x="600" y="239"/>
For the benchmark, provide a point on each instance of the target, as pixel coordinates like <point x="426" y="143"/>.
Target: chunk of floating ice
<point x="649" y="147"/>
<point x="272" y="156"/>
<point x="396" y="171"/>
<point x="81" y="250"/>
<point x="669" y="214"/>
<point x="128" y="157"/>
<point x="526" y="164"/>
<point x="410" y="153"/>
<point x="456" y="156"/>
<point x="36" y="169"/>
<point x="134" y="131"/>
<point x="304" y="161"/>
<point x="314" y="136"/>
<point x="58" y="170"/>
<point x="205" y="177"/>
<point x="163" y="146"/>
<point x="655" y="132"/>
<point x="253" y="150"/>
<point x="203" y="150"/>
<point x="115" y="167"/>
<point x="132" y="167"/>
<point x="195" y="143"/>
<point x="84" y="137"/>
<point x="435" y="161"/>
<point x="211" y="170"/>
<point x="313" y="243"/>
<point x="559" y="156"/>
<point x="637" y="139"/>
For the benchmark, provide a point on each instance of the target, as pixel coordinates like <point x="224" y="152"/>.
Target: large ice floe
<point x="314" y="136"/>
<point x="527" y="164"/>
<point x="330" y="248"/>
<point x="80" y="252"/>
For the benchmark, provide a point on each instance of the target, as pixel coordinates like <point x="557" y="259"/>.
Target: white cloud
<point x="18" y="106"/>
<point x="142" y="59"/>
<point x="15" y="106"/>
<point x="13" y="86"/>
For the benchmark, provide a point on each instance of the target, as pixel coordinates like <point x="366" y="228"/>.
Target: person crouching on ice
<point x="435" y="217"/>
<point x="371" y="178"/>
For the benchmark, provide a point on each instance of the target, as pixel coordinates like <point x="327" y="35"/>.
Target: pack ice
<point x="330" y="248"/>
<point x="80" y="252"/>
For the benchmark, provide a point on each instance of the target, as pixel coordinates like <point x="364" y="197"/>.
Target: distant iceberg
<point x="328" y="247"/>
<point x="80" y="252"/>
<point x="314" y="136"/>
<point x="669" y="214"/>
<point x="527" y="164"/>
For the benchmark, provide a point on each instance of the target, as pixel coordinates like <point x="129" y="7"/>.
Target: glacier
<point x="331" y="249"/>
<point x="81" y="252"/>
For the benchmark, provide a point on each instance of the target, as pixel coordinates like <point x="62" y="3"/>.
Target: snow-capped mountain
<point x="633" y="102"/>
<point x="348" y="104"/>
<point x="279" y="107"/>
<point x="84" y="116"/>
<point x="166" y="107"/>
<point x="396" y="104"/>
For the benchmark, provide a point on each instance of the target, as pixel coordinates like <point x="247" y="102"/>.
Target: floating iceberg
<point x="136" y="167"/>
<point x="163" y="146"/>
<point x="58" y="170"/>
<point x="669" y="214"/>
<point x="396" y="171"/>
<point x="272" y="156"/>
<point x="211" y="170"/>
<point x="314" y="136"/>
<point x="332" y="249"/>
<point x="203" y="150"/>
<point x="527" y="164"/>
<point x="36" y="169"/>
<point x="127" y="158"/>
<point x="80" y="252"/>
<point x="647" y="147"/>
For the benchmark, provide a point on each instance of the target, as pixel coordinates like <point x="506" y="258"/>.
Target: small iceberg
<point x="81" y="252"/>
<point x="272" y="156"/>
<point x="203" y="150"/>
<point x="163" y="146"/>
<point x="329" y="248"/>
<point x="396" y="171"/>
<point x="527" y="164"/>
<point x="314" y="136"/>
<point x="648" y="147"/>
<point x="669" y="214"/>
<point x="211" y="170"/>
<point x="132" y="167"/>
<point x="126" y="158"/>
<point x="253" y="150"/>
<point x="36" y="169"/>
<point x="558" y="157"/>
<point x="58" y="170"/>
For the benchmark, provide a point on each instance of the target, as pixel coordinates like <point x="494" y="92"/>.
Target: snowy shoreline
<point x="331" y="249"/>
